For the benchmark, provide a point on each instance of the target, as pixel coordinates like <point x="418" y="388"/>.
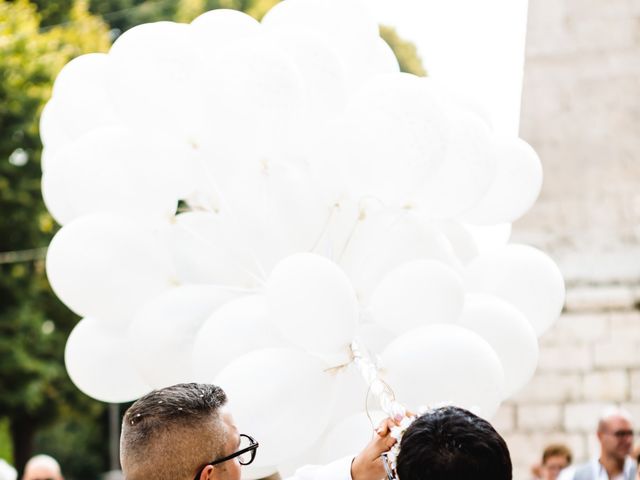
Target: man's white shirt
<point x="599" y="472"/>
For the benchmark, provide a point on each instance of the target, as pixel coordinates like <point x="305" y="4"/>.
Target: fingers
<point x="385" y="427"/>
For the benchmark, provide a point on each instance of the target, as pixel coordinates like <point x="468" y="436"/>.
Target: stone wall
<point x="581" y="112"/>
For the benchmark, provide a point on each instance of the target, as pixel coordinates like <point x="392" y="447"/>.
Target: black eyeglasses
<point x="620" y="434"/>
<point x="246" y="454"/>
<point x="387" y="467"/>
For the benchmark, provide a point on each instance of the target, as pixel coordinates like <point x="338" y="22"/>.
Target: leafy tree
<point x="34" y="324"/>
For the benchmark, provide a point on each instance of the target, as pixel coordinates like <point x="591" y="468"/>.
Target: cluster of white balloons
<point x="242" y="200"/>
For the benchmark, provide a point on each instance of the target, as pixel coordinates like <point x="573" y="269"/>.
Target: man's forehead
<point x="618" y="421"/>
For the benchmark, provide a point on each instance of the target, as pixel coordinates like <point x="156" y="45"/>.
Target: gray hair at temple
<point x="169" y="432"/>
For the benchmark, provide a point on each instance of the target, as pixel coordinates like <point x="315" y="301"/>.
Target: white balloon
<point x="80" y="102"/>
<point x="466" y="173"/>
<point x="461" y="239"/>
<point x="346" y="24"/>
<point x="514" y="189"/>
<point x="162" y="334"/>
<point x="350" y="435"/>
<point x="386" y="239"/>
<point x="87" y="176"/>
<point x="509" y="333"/>
<point x="285" y="420"/>
<point x="390" y="141"/>
<point x="444" y="364"/>
<point x="239" y="327"/>
<point x="252" y="75"/>
<point x="312" y="302"/>
<point x="351" y="394"/>
<point x="275" y="210"/>
<point x="203" y="251"/>
<point x="489" y="238"/>
<point x="98" y="362"/>
<point x="213" y="30"/>
<point x="107" y="266"/>
<point x="524" y="277"/>
<point x="375" y="337"/>
<point x="152" y="78"/>
<point x="322" y="70"/>
<point x="417" y="293"/>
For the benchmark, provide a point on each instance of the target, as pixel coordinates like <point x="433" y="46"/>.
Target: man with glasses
<point x="184" y="432"/>
<point x="615" y="434"/>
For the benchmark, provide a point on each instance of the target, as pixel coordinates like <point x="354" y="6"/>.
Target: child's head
<point x="453" y="443"/>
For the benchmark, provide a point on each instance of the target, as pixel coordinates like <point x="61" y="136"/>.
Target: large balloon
<point x="163" y="332"/>
<point x="282" y="396"/>
<point x="415" y="294"/>
<point x="99" y="363"/>
<point x="107" y="266"/>
<point x="158" y="175"/>
<point x="508" y="332"/>
<point x="445" y="364"/>
<point x="240" y="326"/>
<point x="524" y="277"/>
<point x="313" y="304"/>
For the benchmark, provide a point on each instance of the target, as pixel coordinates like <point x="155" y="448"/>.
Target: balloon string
<point x="227" y="207"/>
<point x="375" y="385"/>
<point x="325" y="228"/>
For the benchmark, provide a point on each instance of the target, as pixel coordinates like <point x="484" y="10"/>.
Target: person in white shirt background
<point x="615" y="435"/>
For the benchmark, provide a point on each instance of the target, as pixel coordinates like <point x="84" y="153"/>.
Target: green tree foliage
<point x="34" y="324"/>
<point x="405" y="51"/>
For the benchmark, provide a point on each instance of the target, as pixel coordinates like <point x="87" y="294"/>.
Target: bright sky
<point x="474" y="46"/>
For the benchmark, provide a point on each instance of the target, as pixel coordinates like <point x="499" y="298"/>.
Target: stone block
<point x="504" y="419"/>
<point x="539" y="418"/>
<point x="617" y="354"/>
<point x="549" y="388"/>
<point x="606" y="386"/>
<point x="635" y="385"/>
<point x="565" y="358"/>
<point x="573" y="328"/>
<point x="634" y="410"/>
<point x="625" y="326"/>
<point x="526" y="449"/>
<point x="582" y="417"/>
<point x="584" y="299"/>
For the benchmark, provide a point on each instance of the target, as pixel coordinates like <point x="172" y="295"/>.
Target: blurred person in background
<point x="615" y="434"/>
<point x="555" y="458"/>
<point x="42" y="467"/>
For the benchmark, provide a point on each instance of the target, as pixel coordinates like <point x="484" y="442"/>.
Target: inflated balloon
<point x="98" y="361"/>
<point x="162" y="335"/>
<point x="101" y="257"/>
<point x="152" y="78"/>
<point x="230" y="185"/>
<point x="415" y="294"/>
<point x="217" y="343"/>
<point x="508" y="332"/>
<point x="524" y="277"/>
<point x="421" y="364"/>
<point x="349" y="436"/>
<point x="514" y="189"/>
<point x="259" y="385"/>
<point x="80" y="102"/>
<point x="313" y="303"/>
<point x="86" y="176"/>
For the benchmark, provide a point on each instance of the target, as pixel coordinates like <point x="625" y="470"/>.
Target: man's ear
<point x="208" y="473"/>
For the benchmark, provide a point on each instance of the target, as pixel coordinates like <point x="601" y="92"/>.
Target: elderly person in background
<point x="615" y="434"/>
<point x="42" y="467"/>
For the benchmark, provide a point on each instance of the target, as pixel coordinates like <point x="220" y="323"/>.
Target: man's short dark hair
<point x="183" y="419"/>
<point x="451" y="443"/>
